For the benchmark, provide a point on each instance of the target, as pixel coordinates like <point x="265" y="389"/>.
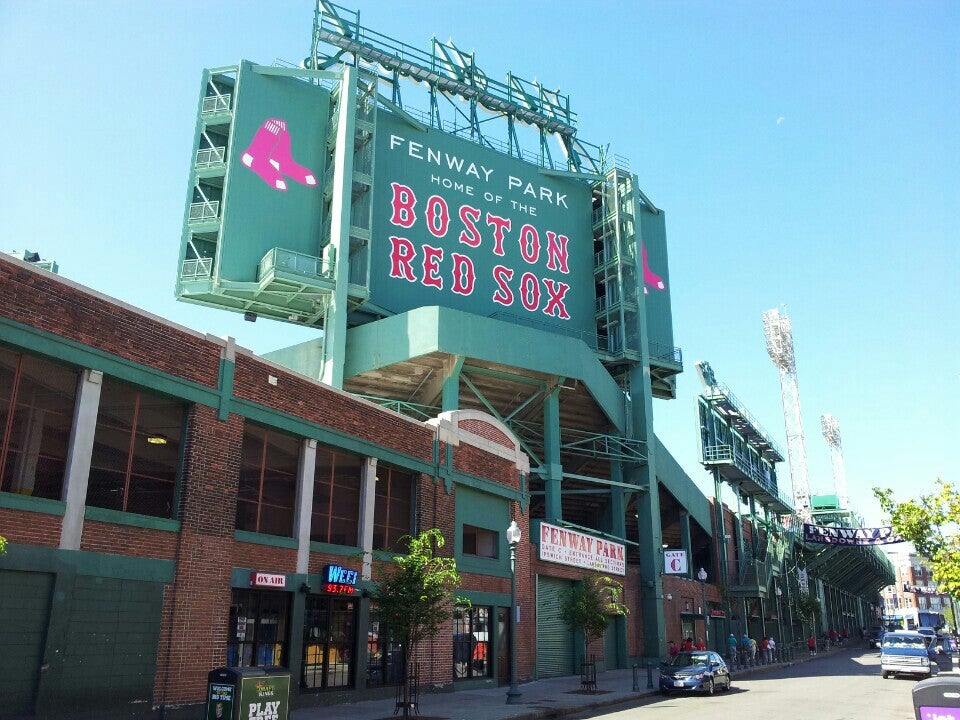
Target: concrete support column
<point x="450" y="392"/>
<point x="368" y="497"/>
<point x="79" y="454"/>
<point x="306" y="470"/>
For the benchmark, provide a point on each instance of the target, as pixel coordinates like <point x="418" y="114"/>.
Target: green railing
<point x="295" y="263"/>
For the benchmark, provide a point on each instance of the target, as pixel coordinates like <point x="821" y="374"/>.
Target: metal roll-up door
<point x="25" y="607"/>
<point x="554" y="639"/>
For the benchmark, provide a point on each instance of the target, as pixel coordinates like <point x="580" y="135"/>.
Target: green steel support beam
<point x="685" y="541"/>
<point x="553" y="470"/>
<point x="335" y="328"/>
<point x="451" y="386"/>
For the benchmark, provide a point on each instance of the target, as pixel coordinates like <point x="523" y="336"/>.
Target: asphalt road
<point x="842" y="686"/>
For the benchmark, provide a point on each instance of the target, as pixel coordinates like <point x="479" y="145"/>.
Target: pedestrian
<point x="772" y="646"/>
<point x="753" y="651"/>
<point x="812" y="644"/>
<point x="688" y="644"/>
<point x="746" y="644"/>
<point x="765" y="650"/>
<point x="699" y="644"/>
<point x="732" y="648"/>
<point x="834" y="637"/>
<point x="672" y="649"/>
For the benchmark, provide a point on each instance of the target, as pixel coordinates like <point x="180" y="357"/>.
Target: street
<point x="842" y="686"/>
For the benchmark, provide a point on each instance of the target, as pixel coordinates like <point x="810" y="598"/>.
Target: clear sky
<point x="807" y="155"/>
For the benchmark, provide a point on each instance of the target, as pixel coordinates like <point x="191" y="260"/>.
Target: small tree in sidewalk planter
<point x="589" y="606"/>
<point x="416" y="596"/>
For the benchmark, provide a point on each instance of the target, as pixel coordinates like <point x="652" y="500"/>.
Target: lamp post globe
<point x="513" y="539"/>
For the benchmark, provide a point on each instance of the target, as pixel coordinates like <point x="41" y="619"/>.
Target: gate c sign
<point x="674" y="562"/>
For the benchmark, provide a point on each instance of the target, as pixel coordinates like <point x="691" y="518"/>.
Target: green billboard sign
<point x="273" y="196"/>
<point x="264" y="697"/>
<point x="464" y="226"/>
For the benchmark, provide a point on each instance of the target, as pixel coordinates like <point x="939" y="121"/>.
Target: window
<point x="257" y="635"/>
<point x="384" y="653"/>
<point x="329" y="633"/>
<point x="136" y="451"/>
<point x="37" y="399"/>
<point x="268" y="482"/>
<point x="471" y="643"/>
<point x="480" y="542"/>
<point x="393" y="513"/>
<point x="336" y="498"/>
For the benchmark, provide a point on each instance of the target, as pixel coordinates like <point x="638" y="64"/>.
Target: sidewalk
<point x="551" y="698"/>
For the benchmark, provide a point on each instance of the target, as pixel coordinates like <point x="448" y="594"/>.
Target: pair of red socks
<point x="270" y="156"/>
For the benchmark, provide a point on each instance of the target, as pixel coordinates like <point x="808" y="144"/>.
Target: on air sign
<point x="267" y="580"/>
<point x="675" y="562"/>
<point x="569" y="547"/>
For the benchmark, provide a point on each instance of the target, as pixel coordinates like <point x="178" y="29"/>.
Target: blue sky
<point x="806" y="155"/>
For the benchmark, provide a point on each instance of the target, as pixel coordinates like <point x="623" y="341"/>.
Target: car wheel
<point x="663" y="691"/>
<point x="884" y="674"/>
<point x="729" y="686"/>
<point x="709" y="686"/>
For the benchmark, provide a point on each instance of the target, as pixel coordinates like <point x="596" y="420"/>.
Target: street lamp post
<point x="513" y="538"/>
<point x="702" y="577"/>
<point x="779" y="592"/>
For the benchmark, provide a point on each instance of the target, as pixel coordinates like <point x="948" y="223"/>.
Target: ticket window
<point x="257" y="635"/>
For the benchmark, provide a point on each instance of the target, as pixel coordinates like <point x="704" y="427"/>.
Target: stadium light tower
<point x="831" y="433"/>
<point x="779" y="336"/>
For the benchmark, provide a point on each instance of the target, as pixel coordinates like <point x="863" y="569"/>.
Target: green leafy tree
<point x="590" y="604"/>
<point x="3" y="545"/>
<point x="416" y="595"/>
<point x="808" y="609"/>
<point x="930" y="522"/>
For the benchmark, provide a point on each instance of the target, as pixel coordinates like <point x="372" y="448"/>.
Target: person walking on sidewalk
<point x="732" y="648"/>
<point x="772" y="648"/>
<point x="812" y="644"/>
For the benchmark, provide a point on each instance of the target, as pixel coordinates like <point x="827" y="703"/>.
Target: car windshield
<point x="904" y="641"/>
<point x="686" y="658"/>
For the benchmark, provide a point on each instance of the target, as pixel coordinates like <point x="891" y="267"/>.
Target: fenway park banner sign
<point x="830" y="535"/>
<point x="569" y="547"/>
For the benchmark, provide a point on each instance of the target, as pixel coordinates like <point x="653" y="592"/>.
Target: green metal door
<point x="610" y="645"/>
<point x="554" y="639"/>
<point x="25" y="607"/>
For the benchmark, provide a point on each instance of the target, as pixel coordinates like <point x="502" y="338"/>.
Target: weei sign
<point x="464" y="226"/>
<point x="569" y="547"/>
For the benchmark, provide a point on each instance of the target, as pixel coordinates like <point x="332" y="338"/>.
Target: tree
<point x="808" y="609"/>
<point x="930" y="522"/>
<point x="415" y="598"/>
<point x="3" y="545"/>
<point x="589" y="605"/>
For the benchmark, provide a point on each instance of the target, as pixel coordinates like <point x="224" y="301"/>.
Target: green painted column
<point x="720" y="531"/>
<point x="553" y="470"/>
<point x="685" y="542"/>
<point x="618" y="527"/>
<point x="335" y="326"/>
<point x="450" y="392"/>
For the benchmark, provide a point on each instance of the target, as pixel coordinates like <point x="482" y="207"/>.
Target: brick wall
<point x="102" y="537"/>
<point x="45" y="301"/>
<point x="29" y="528"/>
<point x="195" y="610"/>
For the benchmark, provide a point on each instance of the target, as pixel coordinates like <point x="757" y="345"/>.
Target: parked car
<point x="906" y="652"/>
<point x="696" y="671"/>
<point x="874" y="635"/>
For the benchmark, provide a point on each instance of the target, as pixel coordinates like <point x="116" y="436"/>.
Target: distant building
<point x="914" y="593"/>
